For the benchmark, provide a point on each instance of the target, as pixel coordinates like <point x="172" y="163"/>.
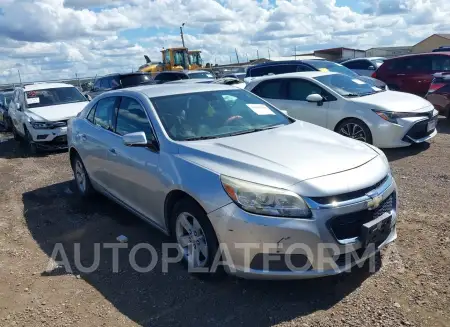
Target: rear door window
<point x="105" y="83"/>
<point x="271" y="89"/>
<point x="299" y="89"/>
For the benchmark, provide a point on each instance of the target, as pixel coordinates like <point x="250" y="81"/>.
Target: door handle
<point x="401" y="74"/>
<point x="113" y="151"/>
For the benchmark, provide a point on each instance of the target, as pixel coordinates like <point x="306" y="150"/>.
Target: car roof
<point x="196" y="71"/>
<point x="44" y="86"/>
<point x="275" y="63"/>
<point x="445" y="53"/>
<point x="172" y="72"/>
<point x="158" y="90"/>
<point x="310" y="74"/>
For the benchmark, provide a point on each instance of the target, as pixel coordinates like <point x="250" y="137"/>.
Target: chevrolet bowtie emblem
<point x="374" y="202"/>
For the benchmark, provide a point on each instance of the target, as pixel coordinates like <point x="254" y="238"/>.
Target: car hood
<point x="395" y="101"/>
<point x="279" y="157"/>
<point x="58" y="112"/>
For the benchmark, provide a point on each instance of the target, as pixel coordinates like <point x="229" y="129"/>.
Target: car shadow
<point x="400" y="153"/>
<point x="10" y="148"/>
<point x="443" y="125"/>
<point x="56" y="214"/>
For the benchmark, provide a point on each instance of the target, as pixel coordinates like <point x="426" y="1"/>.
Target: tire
<point x="355" y="129"/>
<point x="83" y="183"/>
<point x="15" y="134"/>
<point x="31" y="146"/>
<point x="195" y="238"/>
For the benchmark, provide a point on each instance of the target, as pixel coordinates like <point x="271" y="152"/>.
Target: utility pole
<point x="247" y="58"/>
<point x="181" y="33"/>
<point x="295" y="52"/>
<point x="268" y="50"/>
<point x="20" y="78"/>
<point x="257" y="54"/>
<point x="230" y="59"/>
<point x="237" y="57"/>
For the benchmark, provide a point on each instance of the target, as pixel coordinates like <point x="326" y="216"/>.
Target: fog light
<point x="42" y="136"/>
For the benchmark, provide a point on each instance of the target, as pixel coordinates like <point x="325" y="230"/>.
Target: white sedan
<point x="351" y="107"/>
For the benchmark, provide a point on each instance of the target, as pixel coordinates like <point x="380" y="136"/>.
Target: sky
<point x="56" y="39"/>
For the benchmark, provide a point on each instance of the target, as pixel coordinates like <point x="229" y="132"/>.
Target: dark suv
<point x="413" y="73"/>
<point x="119" y="81"/>
<point x="292" y="66"/>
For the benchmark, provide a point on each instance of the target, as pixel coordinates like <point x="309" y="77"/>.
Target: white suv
<point x="39" y="113"/>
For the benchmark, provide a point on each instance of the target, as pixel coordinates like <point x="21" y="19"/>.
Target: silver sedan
<point x="218" y="168"/>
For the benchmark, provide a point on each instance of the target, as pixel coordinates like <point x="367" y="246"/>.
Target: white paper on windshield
<point x="209" y="75"/>
<point x="358" y="81"/>
<point x="32" y="100"/>
<point x="260" y="109"/>
<point x="377" y="89"/>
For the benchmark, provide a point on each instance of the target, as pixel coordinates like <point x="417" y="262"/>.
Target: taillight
<point x="435" y="86"/>
<point x="374" y="74"/>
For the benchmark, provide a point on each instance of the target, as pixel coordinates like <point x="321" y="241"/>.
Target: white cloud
<point x="58" y="38"/>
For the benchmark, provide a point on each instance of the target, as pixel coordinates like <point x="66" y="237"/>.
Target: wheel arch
<point x="72" y="153"/>
<point x="172" y="198"/>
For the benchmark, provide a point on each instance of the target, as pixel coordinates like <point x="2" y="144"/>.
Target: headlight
<point x="265" y="200"/>
<point x="41" y="125"/>
<point x="393" y="116"/>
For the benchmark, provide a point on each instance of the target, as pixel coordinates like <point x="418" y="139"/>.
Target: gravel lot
<point x="39" y="209"/>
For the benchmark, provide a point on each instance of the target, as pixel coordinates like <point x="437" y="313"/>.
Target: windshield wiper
<point x="352" y="95"/>
<point x="253" y="130"/>
<point x="198" y="138"/>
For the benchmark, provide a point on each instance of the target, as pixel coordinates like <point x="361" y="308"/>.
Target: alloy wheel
<point x="80" y="176"/>
<point x="191" y="239"/>
<point x="353" y="131"/>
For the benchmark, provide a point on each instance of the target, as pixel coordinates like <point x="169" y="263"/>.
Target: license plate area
<point x="376" y="231"/>
<point x="431" y="124"/>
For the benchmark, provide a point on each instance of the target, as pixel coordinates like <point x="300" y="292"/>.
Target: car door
<point x="133" y="171"/>
<point x="415" y="74"/>
<point x="95" y="138"/>
<point x="16" y="111"/>
<point x="296" y="105"/>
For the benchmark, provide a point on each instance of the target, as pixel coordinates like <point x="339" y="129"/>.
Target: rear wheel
<point x="355" y="129"/>
<point x="84" y="186"/>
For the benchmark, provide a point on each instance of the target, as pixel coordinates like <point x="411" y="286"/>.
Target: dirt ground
<point x="39" y="209"/>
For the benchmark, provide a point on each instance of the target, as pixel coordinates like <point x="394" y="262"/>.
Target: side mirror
<point x="314" y="98"/>
<point x="137" y="139"/>
<point x="371" y="68"/>
<point x="88" y="97"/>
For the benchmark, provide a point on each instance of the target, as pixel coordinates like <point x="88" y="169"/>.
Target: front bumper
<point x="49" y="139"/>
<point x="311" y="245"/>
<point x="408" y="131"/>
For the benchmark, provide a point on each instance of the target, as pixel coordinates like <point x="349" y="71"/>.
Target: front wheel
<point x="355" y="129"/>
<point x="32" y="148"/>
<point x="195" y="237"/>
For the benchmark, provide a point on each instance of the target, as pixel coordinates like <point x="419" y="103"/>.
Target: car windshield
<point x="328" y="66"/>
<point x="347" y="86"/>
<point x="52" y="97"/>
<point x="201" y="75"/>
<point x="215" y="114"/>
<point x="134" y="80"/>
